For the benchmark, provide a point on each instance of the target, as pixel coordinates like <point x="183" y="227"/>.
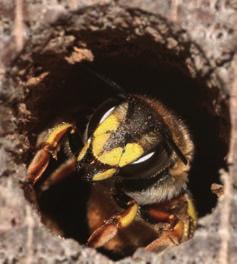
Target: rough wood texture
<point x="211" y="25"/>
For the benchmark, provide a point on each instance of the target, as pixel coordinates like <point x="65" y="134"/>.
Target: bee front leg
<point x="48" y="148"/>
<point x="110" y="228"/>
<point x="64" y="170"/>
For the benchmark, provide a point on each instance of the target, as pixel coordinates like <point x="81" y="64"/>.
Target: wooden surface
<point x="205" y="30"/>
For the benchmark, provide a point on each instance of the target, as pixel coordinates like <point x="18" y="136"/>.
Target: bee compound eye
<point x="144" y="158"/>
<point x="106" y="114"/>
<point x="148" y="165"/>
<point x="99" y="115"/>
<point x="140" y="166"/>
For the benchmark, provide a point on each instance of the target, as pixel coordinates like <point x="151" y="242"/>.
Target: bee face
<point x="126" y="136"/>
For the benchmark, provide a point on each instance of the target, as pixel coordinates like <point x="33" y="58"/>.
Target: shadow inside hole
<point x="76" y="93"/>
<point x="63" y="208"/>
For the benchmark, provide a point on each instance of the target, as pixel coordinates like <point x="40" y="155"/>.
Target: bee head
<point x="128" y="135"/>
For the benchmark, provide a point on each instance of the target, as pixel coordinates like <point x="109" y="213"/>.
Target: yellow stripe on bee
<point x="57" y="133"/>
<point x="83" y="151"/>
<point x="111" y="123"/>
<point x="104" y="175"/>
<point x="117" y="156"/>
<point x="132" y="152"/>
<point x="129" y="215"/>
<point x="98" y="144"/>
<point x="111" y="157"/>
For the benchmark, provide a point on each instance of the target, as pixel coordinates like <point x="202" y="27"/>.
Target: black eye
<point x="149" y="165"/>
<point x="101" y="113"/>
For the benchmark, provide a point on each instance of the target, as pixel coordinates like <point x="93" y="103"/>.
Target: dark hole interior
<point x="70" y="92"/>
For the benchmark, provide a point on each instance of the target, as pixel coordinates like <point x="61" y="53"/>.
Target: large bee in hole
<point x="143" y="150"/>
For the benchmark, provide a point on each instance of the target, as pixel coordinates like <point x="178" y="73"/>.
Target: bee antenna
<point x="121" y="92"/>
<point x="176" y="149"/>
<point x="179" y="153"/>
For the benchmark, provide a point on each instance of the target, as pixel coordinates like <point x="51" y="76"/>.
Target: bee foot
<point x="37" y="166"/>
<point x="161" y="243"/>
<point x="102" y="235"/>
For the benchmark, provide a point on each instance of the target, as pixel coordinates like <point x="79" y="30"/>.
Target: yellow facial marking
<point x="57" y="133"/>
<point x="132" y="152"/>
<point x="83" y="151"/>
<point x="117" y="156"/>
<point x="129" y="215"/>
<point x="98" y="144"/>
<point x="111" y="157"/>
<point x="111" y="123"/>
<point x="104" y="175"/>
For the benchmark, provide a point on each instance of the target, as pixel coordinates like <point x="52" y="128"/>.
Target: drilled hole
<point x="142" y="64"/>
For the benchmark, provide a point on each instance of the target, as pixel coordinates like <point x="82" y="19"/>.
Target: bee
<point x="143" y="150"/>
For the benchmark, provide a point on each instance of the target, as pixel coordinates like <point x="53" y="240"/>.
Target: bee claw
<point x="110" y="228"/>
<point x="170" y="238"/>
<point x="164" y="241"/>
<point x="103" y="234"/>
<point x="49" y="149"/>
<point x="37" y="166"/>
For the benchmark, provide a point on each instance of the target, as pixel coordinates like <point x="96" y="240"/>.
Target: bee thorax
<point x="158" y="192"/>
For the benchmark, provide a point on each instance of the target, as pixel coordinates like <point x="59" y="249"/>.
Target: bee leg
<point x="63" y="171"/>
<point x="111" y="226"/>
<point x="48" y="148"/>
<point x="181" y="217"/>
<point x="168" y="238"/>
